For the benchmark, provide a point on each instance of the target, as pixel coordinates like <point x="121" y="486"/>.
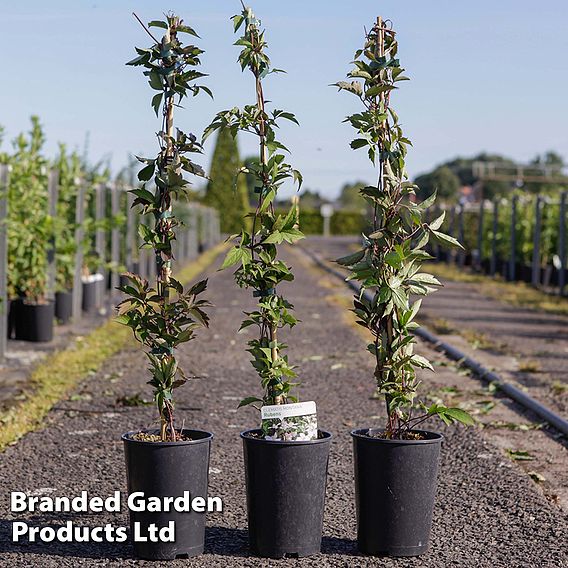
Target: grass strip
<point x="56" y="375"/>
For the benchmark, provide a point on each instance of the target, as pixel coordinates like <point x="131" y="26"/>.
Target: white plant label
<point x="290" y="422"/>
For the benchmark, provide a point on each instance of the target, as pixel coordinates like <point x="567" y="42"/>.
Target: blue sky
<point x="486" y="75"/>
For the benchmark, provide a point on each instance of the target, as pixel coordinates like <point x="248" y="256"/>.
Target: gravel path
<point x="529" y="347"/>
<point x="488" y="514"/>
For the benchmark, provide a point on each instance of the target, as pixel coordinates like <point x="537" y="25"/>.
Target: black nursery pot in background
<point x="89" y="302"/>
<point x="167" y="469"/>
<point x="526" y="273"/>
<point x="395" y="490"/>
<point x="34" y="322"/>
<point x="12" y="315"/>
<point x="285" y="494"/>
<point x="63" y="306"/>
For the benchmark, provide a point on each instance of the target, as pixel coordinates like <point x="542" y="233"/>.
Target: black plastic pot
<point x="12" y="315"/>
<point x="167" y="469"/>
<point x="526" y="273"/>
<point x="501" y="267"/>
<point x="34" y="322"/>
<point x="395" y="489"/>
<point x="63" y="306"/>
<point x="89" y="302"/>
<point x="285" y="494"/>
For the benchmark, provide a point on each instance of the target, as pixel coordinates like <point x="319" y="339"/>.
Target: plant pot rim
<point x="45" y="302"/>
<point x="207" y="437"/>
<point x="433" y="437"/>
<point x="245" y="435"/>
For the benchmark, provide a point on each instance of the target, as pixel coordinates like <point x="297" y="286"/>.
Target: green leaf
<point x="399" y="298"/>
<point x="139" y="60"/>
<point x="186" y="30"/>
<point x="298" y="178"/>
<point x="359" y="143"/>
<point x="374" y="91"/>
<point x="146" y="173"/>
<point x="437" y="223"/>
<point x="143" y="194"/>
<point x="351" y="259"/>
<point x="249" y="400"/>
<point x="237" y="21"/>
<point x="460" y="415"/>
<point x="274" y="238"/>
<point x="425" y="278"/>
<point x="415" y="309"/>
<point x="292" y="235"/>
<point x="155" y="81"/>
<point x="429" y="201"/>
<point x="146" y="233"/>
<point x="234" y="256"/>
<point x="393" y="259"/>
<point x="156" y="102"/>
<point x="123" y="319"/>
<point x="198" y="288"/>
<point x="446" y="240"/>
<point x="158" y="24"/>
<point x="421" y="362"/>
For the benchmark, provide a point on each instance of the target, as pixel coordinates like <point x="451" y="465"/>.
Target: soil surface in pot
<point x="147" y="437"/>
<point x="404" y="436"/>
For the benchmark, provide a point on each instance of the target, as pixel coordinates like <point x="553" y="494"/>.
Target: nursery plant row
<point x="67" y="233"/>
<point x="522" y="238"/>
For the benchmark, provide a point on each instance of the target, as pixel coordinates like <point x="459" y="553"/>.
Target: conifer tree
<point x="231" y="202"/>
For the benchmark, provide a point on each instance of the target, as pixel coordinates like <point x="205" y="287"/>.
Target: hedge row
<point x="341" y="222"/>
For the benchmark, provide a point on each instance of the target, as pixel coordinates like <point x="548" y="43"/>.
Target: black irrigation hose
<point x="451" y="352"/>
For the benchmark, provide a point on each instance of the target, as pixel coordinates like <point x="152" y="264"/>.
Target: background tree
<point x="311" y="199"/>
<point x="549" y="164"/>
<point x="462" y="168"/>
<point x="231" y="201"/>
<point x="251" y="163"/>
<point x="443" y="180"/>
<point x="350" y="198"/>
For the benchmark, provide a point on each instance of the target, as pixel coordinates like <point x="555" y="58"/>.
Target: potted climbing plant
<point x="70" y="171"/>
<point x="29" y="235"/>
<point x="171" y="459"/>
<point x="97" y="179"/>
<point x="395" y="465"/>
<point x="285" y="459"/>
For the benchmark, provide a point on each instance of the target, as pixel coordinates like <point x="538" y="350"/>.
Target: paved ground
<point x="537" y="341"/>
<point x="531" y="347"/>
<point x="515" y="343"/>
<point x="488" y="513"/>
